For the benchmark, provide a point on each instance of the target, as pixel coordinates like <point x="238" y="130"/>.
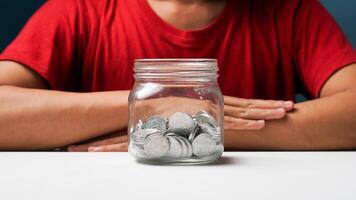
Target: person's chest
<point x="248" y="52"/>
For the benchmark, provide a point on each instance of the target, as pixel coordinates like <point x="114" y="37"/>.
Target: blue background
<point x="15" y="13"/>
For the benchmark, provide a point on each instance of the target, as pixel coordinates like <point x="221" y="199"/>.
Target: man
<point x="266" y="50"/>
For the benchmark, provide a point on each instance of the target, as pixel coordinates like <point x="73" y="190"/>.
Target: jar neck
<point x="176" y="70"/>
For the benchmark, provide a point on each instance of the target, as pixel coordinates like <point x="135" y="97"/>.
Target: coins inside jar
<point x="179" y="136"/>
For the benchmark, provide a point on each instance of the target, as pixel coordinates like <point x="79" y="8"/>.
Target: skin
<point x="58" y="119"/>
<point x="53" y="118"/>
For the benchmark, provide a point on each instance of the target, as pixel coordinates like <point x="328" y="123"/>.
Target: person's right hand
<point x="239" y="113"/>
<point x="251" y="114"/>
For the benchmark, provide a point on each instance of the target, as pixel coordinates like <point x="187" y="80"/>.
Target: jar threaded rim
<point x="199" y="69"/>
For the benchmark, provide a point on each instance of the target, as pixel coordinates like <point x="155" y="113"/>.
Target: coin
<point x="213" y="131"/>
<point x="138" y="126"/>
<point x="188" y="146"/>
<point x="180" y="136"/>
<point x="156" y="123"/>
<point x="175" y="147"/>
<point x="204" y="117"/>
<point x="181" y="123"/>
<point x="204" y="145"/>
<point x="156" y="145"/>
<point x="138" y="137"/>
<point x="171" y="134"/>
<point x="137" y="150"/>
<point x="220" y="147"/>
<point x="183" y="145"/>
<point x="194" y="132"/>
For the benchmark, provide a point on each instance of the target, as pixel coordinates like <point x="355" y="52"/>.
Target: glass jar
<point x="176" y="112"/>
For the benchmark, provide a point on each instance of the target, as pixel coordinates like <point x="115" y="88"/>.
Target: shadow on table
<point x="224" y="160"/>
<point x="227" y="160"/>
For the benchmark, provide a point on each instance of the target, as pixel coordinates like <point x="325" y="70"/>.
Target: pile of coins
<point x="179" y="136"/>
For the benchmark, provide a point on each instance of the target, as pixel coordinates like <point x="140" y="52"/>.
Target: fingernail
<point x="70" y="148"/>
<point x="288" y="104"/>
<point x="93" y="149"/>
<point x="260" y="121"/>
<point x="257" y="122"/>
<point x="280" y="110"/>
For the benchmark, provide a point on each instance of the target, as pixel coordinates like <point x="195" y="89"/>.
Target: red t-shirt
<point x="265" y="48"/>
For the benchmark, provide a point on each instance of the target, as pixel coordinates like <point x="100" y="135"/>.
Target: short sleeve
<point x="48" y="44"/>
<point x="321" y="46"/>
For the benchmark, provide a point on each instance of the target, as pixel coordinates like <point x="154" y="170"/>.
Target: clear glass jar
<point x="176" y="112"/>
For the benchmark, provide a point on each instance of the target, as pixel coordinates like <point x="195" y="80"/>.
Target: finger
<point x="121" y="147"/>
<point x="108" y="141"/>
<point x="231" y="123"/>
<point x="111" y="140"/>
<point x="258" y="103"/>
<point x="78" y="148"/>
<point x="254" y="113"/>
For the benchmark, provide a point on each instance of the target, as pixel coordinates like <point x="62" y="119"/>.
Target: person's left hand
<point x="116" y="142"/>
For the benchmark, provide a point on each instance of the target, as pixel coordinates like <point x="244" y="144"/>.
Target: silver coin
<point x="220" y="147"/>
<point x="183" y="145"/>
<point x="156" y="123"/>
<point x="207" y="128"/>
<point x="131" y="130"/>
<point x="188" y="146"/>
<point x="194" y="133"/>
<point x="204" y="145"/>
<point x="139" y="137"/>
<point x="138" y="126"/>
<point x="175" y="148"/>
<point x="171" y="134"/>
<point x="204" y="117"/>
<point x="137" y="151"/>
<point x="156" y="145"/>
<point x="181" y="123"/>
<point x="213" y="131"/>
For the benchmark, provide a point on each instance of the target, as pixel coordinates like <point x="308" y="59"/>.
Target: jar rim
<point x="175" y="65"/>
<point x="174" y="69"/>
<point x="175" y="60"/>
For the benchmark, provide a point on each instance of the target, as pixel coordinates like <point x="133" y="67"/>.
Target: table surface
<point x="237" y="175"/>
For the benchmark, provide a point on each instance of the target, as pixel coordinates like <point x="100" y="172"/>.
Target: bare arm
<point x="328" y="123"/>
<point x="38" y="119"/>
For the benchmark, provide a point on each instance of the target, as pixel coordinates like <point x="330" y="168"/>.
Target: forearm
<point x="40" y="119"/>
<point x="324" y="124"/>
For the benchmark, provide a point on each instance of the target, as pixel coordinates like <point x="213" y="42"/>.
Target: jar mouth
<point x="175" y="65"/>
<point x="176" y="60"/>
<point x="176" y="69"/>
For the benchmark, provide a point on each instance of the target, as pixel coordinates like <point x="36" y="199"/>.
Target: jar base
<point x="182" y="161"/>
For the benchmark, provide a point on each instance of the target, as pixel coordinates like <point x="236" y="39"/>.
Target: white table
<point x="238" y="176"/>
